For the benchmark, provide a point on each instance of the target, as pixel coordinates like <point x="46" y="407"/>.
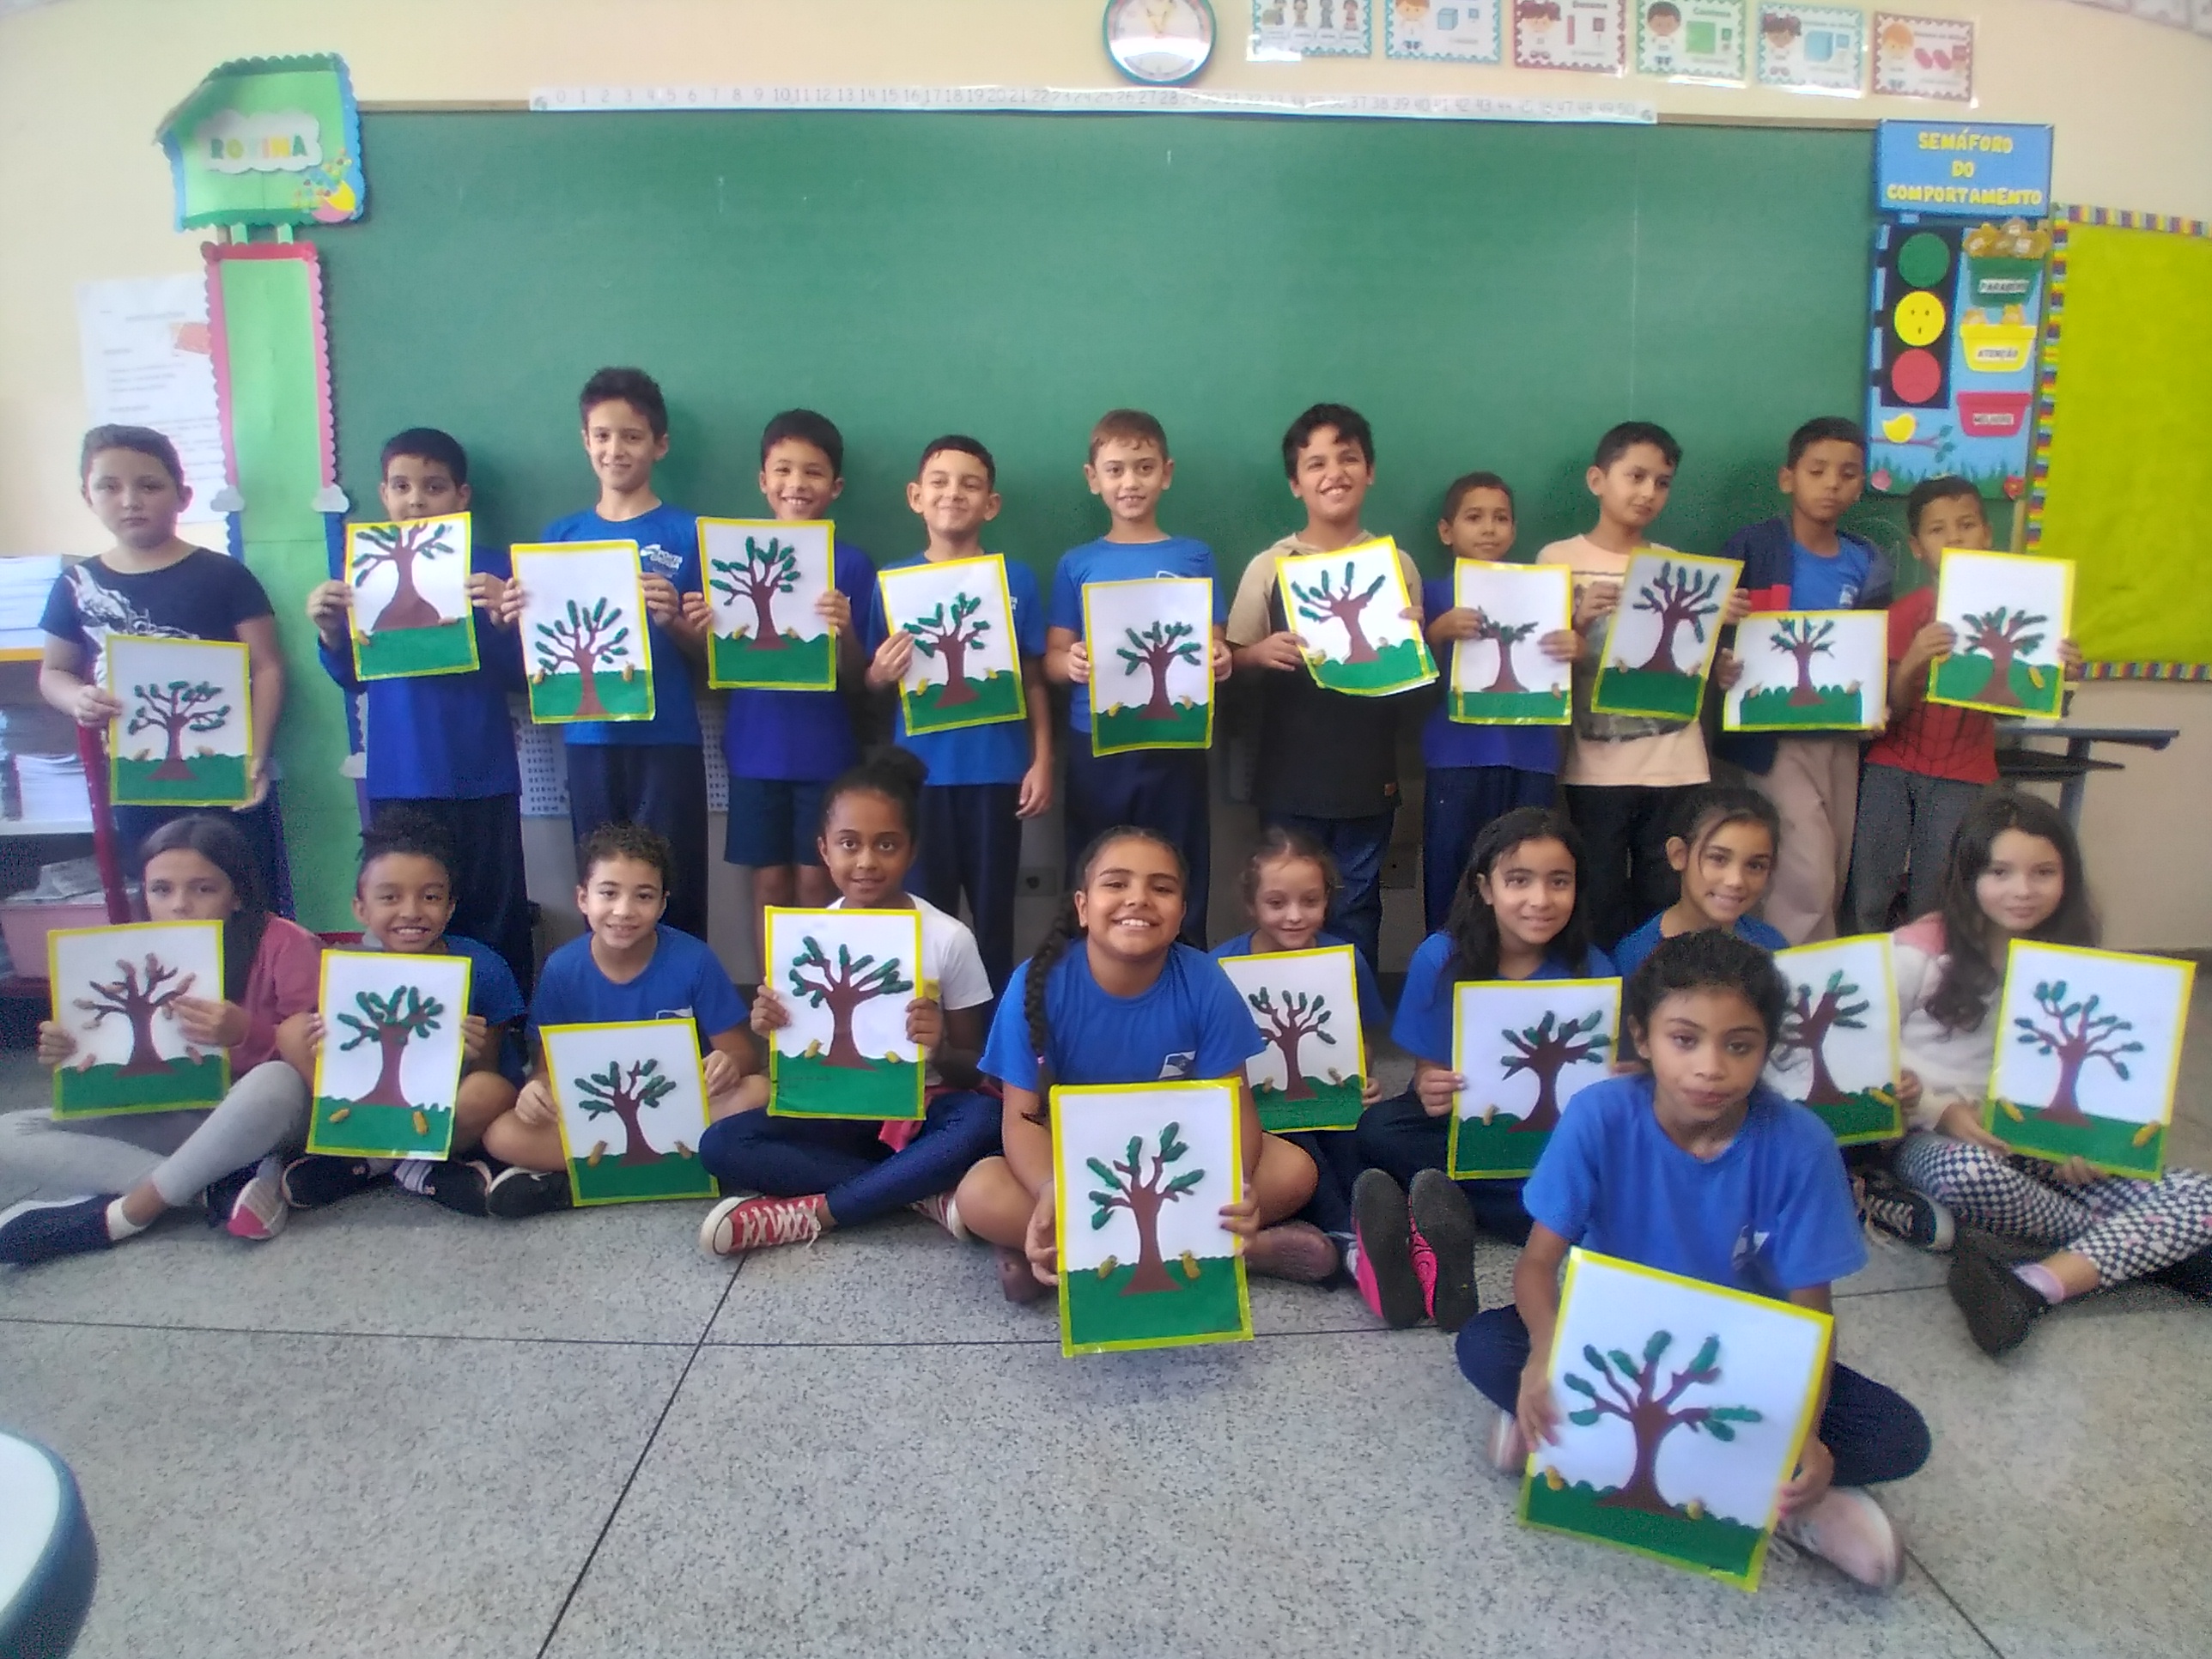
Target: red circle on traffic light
<point x="1916" y="376"/>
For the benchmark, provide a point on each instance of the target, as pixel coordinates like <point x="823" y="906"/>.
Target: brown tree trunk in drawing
<point x="1151" y="1270"/>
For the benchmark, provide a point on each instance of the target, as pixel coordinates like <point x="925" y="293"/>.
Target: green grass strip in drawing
<point x="399" y="652"/>
<point x="1966" y="678"/>
<point x="1392" y="668"/>
<point x="1332" y="1106"/>
<point x="624" y="697"/>
<point x="610" y="1181"/>
<point x="1480" y="1150"/>
<point x="801" y="665"/>
<point x="808" y="1086"/>
<point x="363" y="1130"/>
<point x="2108" y="1144"/>
<point x="998" y="698"/>
<point x="1115" y="731"/>
<point x="1659" y="697"/>
<point x="1510" y="708"/>
<point x="1725" y="1548"/>
<point x="1861" y="1117"/>
<point x="1771" y="710"/>
<point x="100" y="1090"/>
<point x="1099" y="1315"/>
<point x="213" y="780"/>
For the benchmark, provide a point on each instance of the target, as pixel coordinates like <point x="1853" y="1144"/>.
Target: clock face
<point x="1160" y="43"/>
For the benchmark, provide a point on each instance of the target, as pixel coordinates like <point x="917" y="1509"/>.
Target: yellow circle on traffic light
<point x="1919" y="318"/>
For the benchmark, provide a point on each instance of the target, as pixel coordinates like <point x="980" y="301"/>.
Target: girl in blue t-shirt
<point x="1723" y="848"/>
<point x="1518" y="914"/>
<point x="1112" y="997"/>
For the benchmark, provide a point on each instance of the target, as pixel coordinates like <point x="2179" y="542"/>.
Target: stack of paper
<point x="51" y="789"/>
<point x="25" y="582"/>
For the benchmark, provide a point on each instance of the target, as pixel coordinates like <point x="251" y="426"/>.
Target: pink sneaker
<point x="942" y="1210"/>
<point x="1444" y="1248"/>
<point x="738" y="1224"/>
<point x="1386" y="1274"/>
<point x="1849" y="1530"/>
<point x="259" y="1212"/>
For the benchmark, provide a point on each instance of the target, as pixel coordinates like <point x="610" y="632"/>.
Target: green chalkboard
<point x="1488" y="294"/>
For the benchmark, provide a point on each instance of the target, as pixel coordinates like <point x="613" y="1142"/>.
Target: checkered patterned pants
<point x="2126" y="1229"/>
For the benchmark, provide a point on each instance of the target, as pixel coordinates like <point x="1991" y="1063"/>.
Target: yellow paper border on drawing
<point x="1877" y="706"/>
<point x="1806" y="1409"/>
<point x="772" y="975"/>
<point x="357" y="635"/>
<point x="829" y="529"/>
<point x="245" y="659"/>
<point x="560" y="1110"/>
<point x="521" y="551"/>
<point x="1454" y="690"/>
<point x="1459" y="1057"/>
<point x="2061" y="628"/>
<point x="1060" y="1212"/>
<point x="2184" y="975"/>
<point x="1359" y="1027"/>
<point x="1004" y="619"/>
<point x="54" y="937"/>
<point x="1206" y="659"/>
<point x="1735" y="570"/>
<point x="316" y="1143"/>
<point x="1397" y="567"/>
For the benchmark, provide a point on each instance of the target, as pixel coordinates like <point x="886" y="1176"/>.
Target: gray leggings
<point x="181" y="1152"/>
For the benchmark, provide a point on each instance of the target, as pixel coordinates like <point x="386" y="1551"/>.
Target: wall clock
<point x="1159" y="43"/>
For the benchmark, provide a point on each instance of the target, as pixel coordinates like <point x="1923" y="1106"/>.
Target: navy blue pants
<point x="1357" y="845"/>
<point x="1873" y="1432"/>
<point x="264" y="840"/>
<point x="1625" y="877"/>
<point x="1163" y="790"/>
<point x="845" y="1158"/>
<point x="1336" y="1166"/>
<point x="1400" y="1140"/>
<point x="971" y="843"/>
<point x="662" y="785"/>
<point x="1459" y="802"/>
<point x="490" y="904"/>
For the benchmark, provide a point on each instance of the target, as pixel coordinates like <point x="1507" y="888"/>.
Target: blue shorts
<point x="773" y="821"/>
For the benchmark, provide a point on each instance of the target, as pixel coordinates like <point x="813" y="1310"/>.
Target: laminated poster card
<point x="1923" y="57"/>
<point x="1837" y="1051"/>
<point x="1659" y="641"/>
<point x="1570" y="34"/>
<point x="1524" y="1049"/>
<point x="1306" y="1003"/>
<point x="115" y="991"/>
<point x="1812" y="49"/>
<point x="1810" y="670"/>
<point x="844" y="978"/>
<point x="1499" y="677"/>
<point x="388" y="1073"/>
<point x="1453" y="32"/>
<point x="1362" y="634"/>
<point x="410" y="613"/>
<point x="1151" y="644"/>
<point x="2009" y="611"/>
<point x="632" y="1098"/>
<point x="965" y="669"/>
<point x="586" y="644"/>
<point x="186" y="735"/>
<point x="765" y="579"/>
<point x="1692" y="39"/>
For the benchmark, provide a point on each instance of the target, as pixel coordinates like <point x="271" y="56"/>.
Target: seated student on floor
<point x="823" y="1173"/>
<point x="1724" y="849"/>
<point x="1696" y="1168"/>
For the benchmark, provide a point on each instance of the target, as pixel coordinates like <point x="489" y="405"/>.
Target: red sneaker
<point x="738" y="1224"/>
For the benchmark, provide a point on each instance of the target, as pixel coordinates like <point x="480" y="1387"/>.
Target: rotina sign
<point x="1963" y="169"/>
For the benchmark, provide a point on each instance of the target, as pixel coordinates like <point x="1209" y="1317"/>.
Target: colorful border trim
<point x="220" y="254"/>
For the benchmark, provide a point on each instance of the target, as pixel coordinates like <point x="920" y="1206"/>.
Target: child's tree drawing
<point x="758" y="578"/>
<point x="1125" y="1187"/>
<point x="1803" y="638"/>
<point x="1505" y="636"/>
<point x="2075" y="1033"/>
<point x="1546" y="1049"/>
<point x="391" y="1022"/>
<point x="175" y="709"/>
<point x="1634" y="1394"/>
<point x="1158" y="649"/>
<point x="1301" y="1014"/>
<point x="585" y="641"/>
<point x="1678" y="594"/>
<point x="2001" y="634"/>
<point x="953" y="637"/>
<point x="402" y="546"/>
<point x="627" y="1091"/>
<point x="138" y="995"/>
<point x="1322" y="603"/>
<point x="841" y="987"/>
<point x="1805" y="1027"/>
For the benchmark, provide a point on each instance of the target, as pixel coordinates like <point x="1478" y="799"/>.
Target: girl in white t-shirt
<point x="819" y="1174"/>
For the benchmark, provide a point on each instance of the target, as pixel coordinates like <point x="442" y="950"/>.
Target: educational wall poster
<point x="149" y="360"/>
<point x="267" y="140"/>
<point x="844" y="977"/>
<point x="1810" y="670"/>
<point x="1523" y="1049"/>
<point x="1283" y="31"/>
<point x="1683" y="1410"/>
<point x="115" y="991"/>
<point x="965" y="669"/>
<point x="1140" y="1173"/>
<point x="1812" y="48"/>
<point x="1465" y="32"/>
<point x="2088" y="1051"/>
<point x="633" y="1104"/>
<point x="585" y="642"/>
<point x="2009" y="611"/>
<point x="1692" y="39"/>
<point x="1923" y="57"/>
<point x="1313" y="1069"/>
<point x="410" y="612"/>
<point x="1501" y="676"/>
<point x="764" y="578"/>
<point x="186" y="735"/>
<point x="388" y="1071"/>
<point x="1838" y="1050"/>
<point x="1150" y="645"/>
<point x="1362" y="631"/>
<point x="1660" y="642"/>
<point x="1570" y="34"/>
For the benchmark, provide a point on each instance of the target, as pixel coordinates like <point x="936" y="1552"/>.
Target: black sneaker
<point x="221" y="1195"/>
<point x="1913" y="1217"/>
<point x="40" y="1230"/>
<point x="459" y="1185"/>
<point x="517" y="1193"/>
<point x="1384" y="1272"/>
<point x="1999" y="1306"/>
<point x="312" y="1182"/>
<point x="2192" y="1276"/>
<point x="1443" y="1223"/>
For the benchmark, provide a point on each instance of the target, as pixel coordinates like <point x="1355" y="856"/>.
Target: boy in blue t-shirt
<point x="443" y="744"/>
<point x="647" y="772"/>
<point x="983" y="780"/>
<point x="783" y="748"/>
<point x="1161" y="789"/>
<point x="1699" y="1168"/>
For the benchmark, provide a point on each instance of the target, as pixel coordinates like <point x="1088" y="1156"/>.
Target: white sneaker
<point x="259" y="1212"/>
<point x="944" y="1212"/>
<point x="1508" y="1447"/>
<point x="1848" y="1529"/>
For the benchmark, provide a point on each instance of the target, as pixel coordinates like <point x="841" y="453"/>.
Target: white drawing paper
<point x="428" y="1059"/>
<point x="2094" y="1031"/>
<point x="432" y="557"/>
<point x="130" y="1002"/>
<point x="1311" y="1008"/>
<point x="942" y="605"/>
<point x="1520" y="605"/>
<point x="765" y="576"/>
<point x="586" y="644"/>
<point x="1150" y="643"/>
<point x="864" y="962"/>
<point x="1811" y="670"/>
<point x="1527" y="1048"/>
<point x="649" y="1050"/>
<point x="1839" y="1030"/>
<point x="1671" y="600"/>
<point x="1099" y="1123"/>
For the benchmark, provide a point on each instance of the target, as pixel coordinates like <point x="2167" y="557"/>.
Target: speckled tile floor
<point x="395" y="1431"/>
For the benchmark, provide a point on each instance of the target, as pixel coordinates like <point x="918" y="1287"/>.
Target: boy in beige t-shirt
<point x="1625" y="775"/>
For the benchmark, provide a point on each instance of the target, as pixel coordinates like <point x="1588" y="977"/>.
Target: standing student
<point x="821" y="1174"/>
<point x="652" y="772"/>
<point x="153" y="584"/>
<point x="1803" y="561"/>
<point x="1722" y="852"/>
<point x="1475" y="773"/>
<point x="442" y="746"/>
<point x="1111" y="996"/>
<point x="1626" y="775"/>
<point x="983" y="780"/>
<point x="142" y="1164"/>
<point x="1162" y="789"/>
<point x="1328" y="760"/>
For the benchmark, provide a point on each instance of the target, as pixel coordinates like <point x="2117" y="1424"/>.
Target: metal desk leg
<point x="2071" y="791"/>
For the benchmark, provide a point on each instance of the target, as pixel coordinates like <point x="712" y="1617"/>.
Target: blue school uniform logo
<point x="1753" y="1269"/>
<point x="663" y="561"/>
<point x="1175" y="1068"/>
<point x="673" y="1013"/>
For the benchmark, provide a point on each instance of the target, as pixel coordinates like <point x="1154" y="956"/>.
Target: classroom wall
<point x="83" y="82"/>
